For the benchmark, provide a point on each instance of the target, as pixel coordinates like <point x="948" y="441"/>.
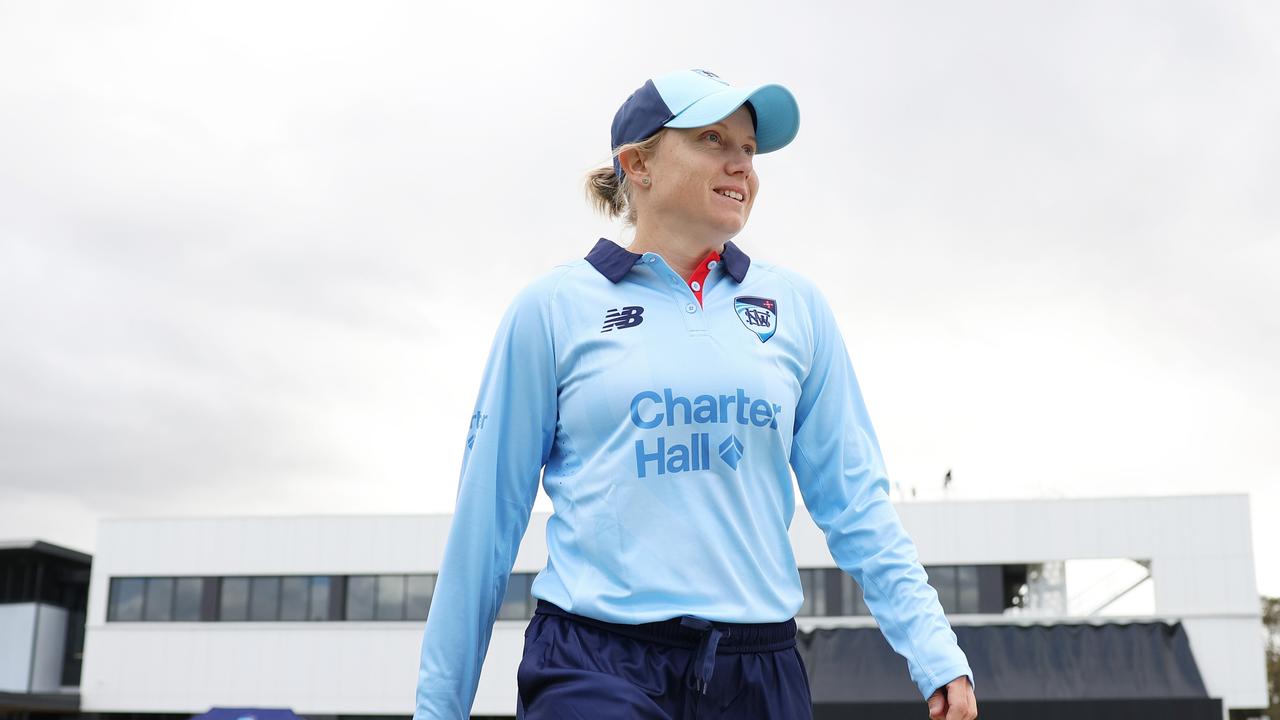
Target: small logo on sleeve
<point x="477" y="424"/>
<point x="622" y="318"/>
<point x="758" y="314"/>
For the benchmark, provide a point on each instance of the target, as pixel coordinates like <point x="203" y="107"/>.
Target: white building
<point x="324" y="614"/>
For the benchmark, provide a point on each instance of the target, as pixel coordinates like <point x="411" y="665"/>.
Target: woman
<point x="668" y="389"/>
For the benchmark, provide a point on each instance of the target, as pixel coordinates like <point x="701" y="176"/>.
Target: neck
<point x="682" y="252"/>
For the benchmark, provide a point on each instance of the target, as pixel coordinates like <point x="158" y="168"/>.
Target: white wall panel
<point x="1231" y="659"/>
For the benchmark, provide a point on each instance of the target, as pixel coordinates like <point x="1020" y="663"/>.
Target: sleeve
<point x="842" y="479"/>
<point x="508" y="443"/>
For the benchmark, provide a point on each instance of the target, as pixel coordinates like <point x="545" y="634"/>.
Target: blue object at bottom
<point x="576" y="667"/>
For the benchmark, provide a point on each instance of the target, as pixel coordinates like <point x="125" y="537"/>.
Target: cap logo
<point x="713" y="76"/>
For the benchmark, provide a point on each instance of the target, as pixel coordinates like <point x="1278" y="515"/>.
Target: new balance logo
<point x="622" y="318"/>
<point x="713" y="76"/>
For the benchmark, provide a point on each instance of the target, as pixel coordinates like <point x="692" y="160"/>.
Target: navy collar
<point x="614" y="261"/>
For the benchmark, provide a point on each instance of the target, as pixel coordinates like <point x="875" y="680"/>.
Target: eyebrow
<point x="752" y="138"/>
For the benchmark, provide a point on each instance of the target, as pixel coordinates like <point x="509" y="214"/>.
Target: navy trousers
<point x="577" y="668"/>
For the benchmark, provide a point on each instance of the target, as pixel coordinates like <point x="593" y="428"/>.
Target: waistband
<point x="691" y="632"/>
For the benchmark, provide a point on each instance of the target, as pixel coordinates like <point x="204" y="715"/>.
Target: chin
<point x="724" y="225"/>
<point x="732" y="227"/>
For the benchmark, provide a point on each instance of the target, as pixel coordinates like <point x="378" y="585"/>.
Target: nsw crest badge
<point x="759" y="314"/>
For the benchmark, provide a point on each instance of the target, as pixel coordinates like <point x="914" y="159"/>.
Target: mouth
<point x="731" y="193"/>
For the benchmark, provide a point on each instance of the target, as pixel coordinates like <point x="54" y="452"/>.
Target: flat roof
<point x="47" y="548"/>
<point x="896" y="502"/>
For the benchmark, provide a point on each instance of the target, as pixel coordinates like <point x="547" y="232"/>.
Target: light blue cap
<point x="695" y="98"/>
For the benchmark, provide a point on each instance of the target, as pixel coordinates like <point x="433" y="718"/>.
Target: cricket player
<point x="664" y="392"/>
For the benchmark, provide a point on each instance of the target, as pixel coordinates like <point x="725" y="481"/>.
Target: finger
<point x="959" y="710"/>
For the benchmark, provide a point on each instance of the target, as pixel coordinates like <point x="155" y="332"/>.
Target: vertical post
<point x="35" y="631"/>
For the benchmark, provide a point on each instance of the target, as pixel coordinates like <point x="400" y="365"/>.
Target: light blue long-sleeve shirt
<point x="668" y="429"/>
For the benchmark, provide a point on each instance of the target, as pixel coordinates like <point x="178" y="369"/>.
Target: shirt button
<point x="696" y="287"/>
<point x="651" y="259"/>
<point x="690" y="308"/>
<point x="711" y="265"/>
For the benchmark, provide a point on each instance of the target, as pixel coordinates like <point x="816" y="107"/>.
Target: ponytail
<point x="611" y="196"/>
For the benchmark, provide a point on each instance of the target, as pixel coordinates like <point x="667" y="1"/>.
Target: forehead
<point x="740" y="120"/>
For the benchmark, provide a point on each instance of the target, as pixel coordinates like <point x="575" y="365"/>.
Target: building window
<point x="844" y="597"/>
<point x="828" y="592"/>
<point x="813" y="582"/>
<point x="418" y="596"/>
<point x="187" y="596"/>
<point x="517" y="603"/>
<point x="319" y="605"/>
<point x="390" y="597"/>
<point x="831" y="592"/>
<point x="234" y="601"/>
<point x="125" y="599"/>
<point x="264" y="598"/>
<point x="967" y="586"/>
<point x="18" y="581"/>
<point x="294" y="598"/>
<point x="360" y="597"/>
<point x="943" y="579"/>
<point x="159" y="603"/>
<point x="294" y="593"/>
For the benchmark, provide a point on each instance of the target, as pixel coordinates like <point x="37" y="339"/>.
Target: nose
<point x="739" y="163"/>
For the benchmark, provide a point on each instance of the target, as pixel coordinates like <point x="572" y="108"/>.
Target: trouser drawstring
<point x="705" y="663"/>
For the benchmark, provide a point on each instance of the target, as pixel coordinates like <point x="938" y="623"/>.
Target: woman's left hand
<point x="954" y="701"/>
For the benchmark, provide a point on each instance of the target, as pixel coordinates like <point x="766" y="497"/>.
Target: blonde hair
<point x="610" y="196"/>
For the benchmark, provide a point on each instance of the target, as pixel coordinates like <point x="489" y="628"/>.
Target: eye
<point x="750" y="149"/>
<point x="713" y="134"/>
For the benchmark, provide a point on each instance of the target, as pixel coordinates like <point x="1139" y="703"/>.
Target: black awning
<point x="1099" y="665"/>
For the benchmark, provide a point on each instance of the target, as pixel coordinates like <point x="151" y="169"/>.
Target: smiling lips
<point x="731" y="193"/>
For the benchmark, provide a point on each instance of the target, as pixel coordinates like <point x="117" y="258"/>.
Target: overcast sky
<point x="252" y="254"/>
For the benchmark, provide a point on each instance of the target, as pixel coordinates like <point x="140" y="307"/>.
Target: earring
<point x="645" y="181"/>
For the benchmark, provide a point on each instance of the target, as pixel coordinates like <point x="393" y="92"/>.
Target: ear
<point x="634" y="165"/>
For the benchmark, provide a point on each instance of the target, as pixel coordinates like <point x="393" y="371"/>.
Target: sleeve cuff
<point x="951" y="674"/>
